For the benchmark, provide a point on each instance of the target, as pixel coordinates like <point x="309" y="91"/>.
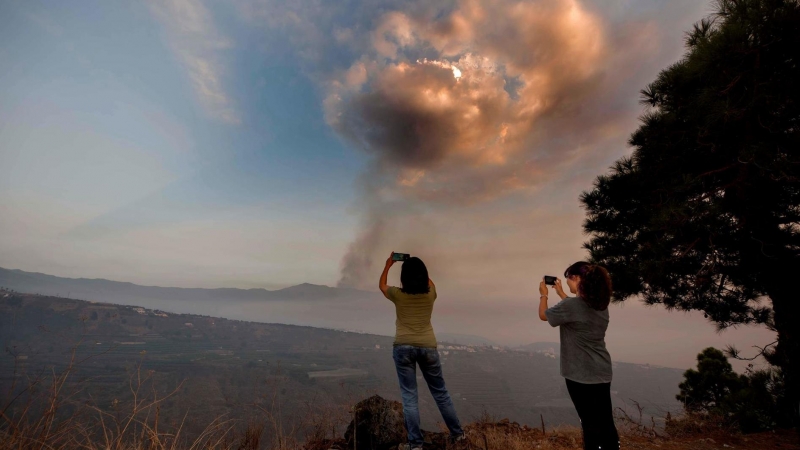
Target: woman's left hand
<point x="390" y="261"/>
<point x="543" y="288"/>
<point x="559" y="289"/>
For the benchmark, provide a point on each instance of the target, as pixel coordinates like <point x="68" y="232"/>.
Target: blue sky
<point x="101" y="120"/>
<point x="131" y="119"/>
<point x="261" y="143"/>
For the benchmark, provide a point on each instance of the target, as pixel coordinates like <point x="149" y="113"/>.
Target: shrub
<point x="747" y="401"/>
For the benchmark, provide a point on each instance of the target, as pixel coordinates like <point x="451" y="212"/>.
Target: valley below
<point x="205" y="368"/>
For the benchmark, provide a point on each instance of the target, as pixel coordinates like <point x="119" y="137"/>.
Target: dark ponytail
<point x="595" y="285"/>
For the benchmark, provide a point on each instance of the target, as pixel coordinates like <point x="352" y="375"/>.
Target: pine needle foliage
<point x="705" y="214"/>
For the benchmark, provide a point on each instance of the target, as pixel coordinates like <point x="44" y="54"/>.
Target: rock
<point x="378" y="425"/>
<point x="381" y="426"/>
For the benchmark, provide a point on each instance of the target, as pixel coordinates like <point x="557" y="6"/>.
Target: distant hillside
<point x="304" y="304"/>
<point x="465" y="339"/>
<point x="99" y="289"/>
<point x="206" y="369"/>
<point x="540" y="347"/>
<point x="229" y="366"/>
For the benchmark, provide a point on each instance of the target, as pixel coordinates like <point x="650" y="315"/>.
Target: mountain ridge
<point x="339" y="308"/>
<point x="4" y="270"/>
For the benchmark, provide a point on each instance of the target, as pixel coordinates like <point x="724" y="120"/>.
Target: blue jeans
<point x="406" y="358"/>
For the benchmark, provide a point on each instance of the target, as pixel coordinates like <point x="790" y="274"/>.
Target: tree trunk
<point x="782" y="290"/>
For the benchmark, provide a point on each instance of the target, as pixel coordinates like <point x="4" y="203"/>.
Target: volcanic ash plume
<point x="462" y="108"/>
<point x="357" y="262"/>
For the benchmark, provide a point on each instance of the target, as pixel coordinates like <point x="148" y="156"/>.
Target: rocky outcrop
<point x="378" y="424"/>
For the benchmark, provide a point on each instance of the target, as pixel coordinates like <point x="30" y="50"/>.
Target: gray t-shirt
<point x="584" y="357"/>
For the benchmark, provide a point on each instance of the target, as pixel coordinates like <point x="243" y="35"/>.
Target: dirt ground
<point x="511" y="436"/>
<point x="781" y="439"/>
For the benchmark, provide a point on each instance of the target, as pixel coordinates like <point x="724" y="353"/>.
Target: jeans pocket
<point x="402" y="355"/>
<point x="432" y="357"/>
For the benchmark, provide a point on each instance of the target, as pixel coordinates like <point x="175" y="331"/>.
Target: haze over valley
<point x="365" y="311"/>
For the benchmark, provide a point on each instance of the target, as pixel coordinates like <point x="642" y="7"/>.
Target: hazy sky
<point x="260" y="143"/>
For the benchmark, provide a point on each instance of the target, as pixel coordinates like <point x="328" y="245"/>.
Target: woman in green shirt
<point x="415" y="344"/>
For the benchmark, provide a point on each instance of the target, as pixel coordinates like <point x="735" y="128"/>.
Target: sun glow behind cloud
<point x="447" y="129"/>
<point x="468" y="125"/>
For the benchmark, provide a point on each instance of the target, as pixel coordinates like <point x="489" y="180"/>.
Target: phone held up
<point x="551" y="281"/>
<point x="400" y="256"/>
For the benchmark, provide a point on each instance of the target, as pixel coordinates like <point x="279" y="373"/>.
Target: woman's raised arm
<point x="383" y="283"/>
<point x="542" y="300"/>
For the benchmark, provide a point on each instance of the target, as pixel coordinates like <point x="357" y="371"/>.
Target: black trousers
<point x="593" y="402"/>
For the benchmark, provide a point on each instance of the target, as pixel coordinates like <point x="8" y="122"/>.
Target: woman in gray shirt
<point x="585" y="362"/>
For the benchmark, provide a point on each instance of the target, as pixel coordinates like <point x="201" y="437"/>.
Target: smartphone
<point x="400" y="256"/>
<point x="549" y="280"/>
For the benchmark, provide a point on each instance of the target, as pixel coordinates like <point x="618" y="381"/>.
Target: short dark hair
<point x="595" y="285"/>
<point x="414" y="277"/>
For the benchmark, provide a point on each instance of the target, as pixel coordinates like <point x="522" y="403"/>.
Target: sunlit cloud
<point x="502" y="70"/>
<point x="196" y="43"/>
<point x="472" y="120"/>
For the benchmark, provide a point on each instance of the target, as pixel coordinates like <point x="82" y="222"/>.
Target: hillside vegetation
<point x="97" y="375"/>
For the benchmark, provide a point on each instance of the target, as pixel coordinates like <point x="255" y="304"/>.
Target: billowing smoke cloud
<point x="467" y="107"/>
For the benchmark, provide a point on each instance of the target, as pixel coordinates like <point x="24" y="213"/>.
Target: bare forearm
<point x="543" y="307"/>
<point x="383" y="283"/>
<point x="384" y="278"/>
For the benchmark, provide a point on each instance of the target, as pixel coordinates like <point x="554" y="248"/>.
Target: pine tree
<point x="705" y="214"/>
<point x="710" y="386"/>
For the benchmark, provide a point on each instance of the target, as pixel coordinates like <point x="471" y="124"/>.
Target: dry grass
<point x="512" y="436"/>
<point x="48" y="411"/>
<point x="44" y="412"/>
<point x="695" y="424"/>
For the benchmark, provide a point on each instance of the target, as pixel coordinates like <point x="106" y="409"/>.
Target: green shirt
<point x="413" y="317"/>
